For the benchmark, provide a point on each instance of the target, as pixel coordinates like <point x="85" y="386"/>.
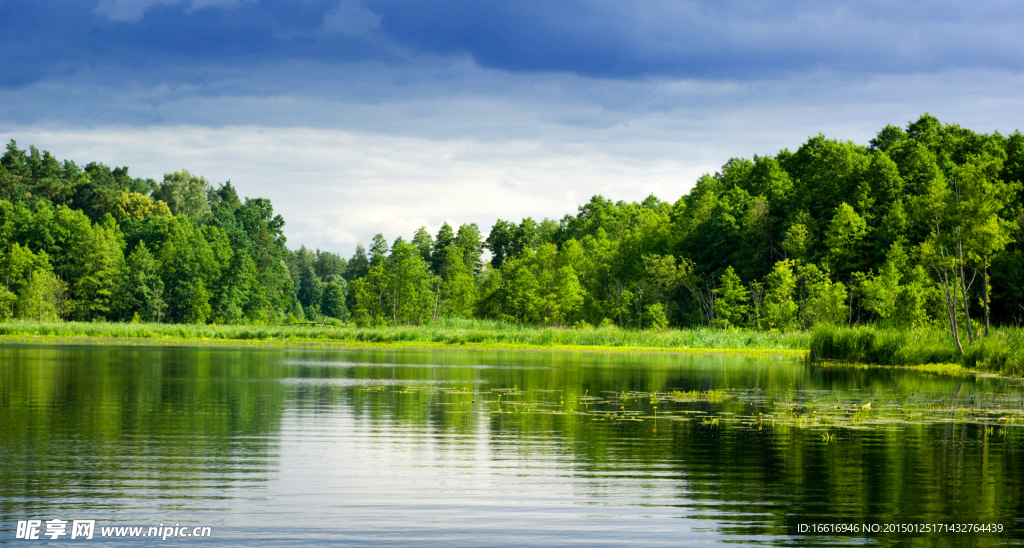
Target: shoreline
<point x="446" y="334"/>
<point x="924" y="350"/>
<point x="322" y="344"/>
<point x="951" y="369"/>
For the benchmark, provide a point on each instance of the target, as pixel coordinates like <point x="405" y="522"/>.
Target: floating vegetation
<point x="760" y="409"/>
<point x="694" y="395"/>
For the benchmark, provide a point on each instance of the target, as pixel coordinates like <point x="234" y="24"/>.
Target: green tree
<point x="133" y="205"/>
<point x="439" y="255"/>
<point x="500" y="242"/>
<point x="311" y="291"/>
<point x="378" y="250"/>
<point x="879" y="290"/>
<point x="665" y="277"/>
<point x="358" y="265"/>
<point x="185" y="194"/>
<point x="620" y="305"/>
<point x="520" y="292"/>
<point x="894" y="228"/>
<point x="470" y="241"/>
<point x="824" y="301"/>
<point x="424" y="242"/>
<point x="329" y="264"/>
<point x="797" y="242"/>
<point x="17" y="265"/>
<point x="897" y="293"/>
<point x="913" y="298"/>
<point x="984" y="197"/>
<point x="104" y="270"/>
<point x="457" y="290"/>
<point x="654" y="316"/>
<point x="245" y="276"/>
<point x="360" y="301"/>
<point x="845" y="239"/>
<point x="779" y="307"/>
<point x="42" y="298"/>
<point x="566" y="297"/>
<point x="943" y="251"/>
<point x="409" y="284"/>
<point x="70" y="233"/>
<point x="231" y="285"/>
<point x="333" y="303"/>
<point x="143" y="289"/>
<point x="188" y="267"/>
<point x="730" y="300"/>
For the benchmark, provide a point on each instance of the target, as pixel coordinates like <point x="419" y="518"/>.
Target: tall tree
<point x="731" y="300"/>
<point x="983" y="198"/>
<point x="185" y="194"/>
<point x="144" y="290"/>
<point x="424" y="242"/>
<point x="779" y="306"/>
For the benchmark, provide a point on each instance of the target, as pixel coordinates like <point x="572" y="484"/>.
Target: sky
<point x="363" y="116"/>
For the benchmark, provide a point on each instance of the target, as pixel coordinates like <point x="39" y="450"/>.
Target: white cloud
<point x="335" y="188"/>
<point x="130" y="11"/>
<point x="351" y="19"/>
<point x="359" y="149"/>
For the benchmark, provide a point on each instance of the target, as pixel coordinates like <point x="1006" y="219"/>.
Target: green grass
<point x="448" y="332"/>
<point x="1001" y="352"/>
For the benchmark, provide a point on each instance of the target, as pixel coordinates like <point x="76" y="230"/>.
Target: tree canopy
<point x="923" y="225"/>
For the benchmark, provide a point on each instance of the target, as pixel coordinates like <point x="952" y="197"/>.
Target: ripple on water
<point x="274" y="448"/>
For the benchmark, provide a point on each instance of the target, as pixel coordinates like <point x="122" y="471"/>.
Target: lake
<point x="272" y="447"/>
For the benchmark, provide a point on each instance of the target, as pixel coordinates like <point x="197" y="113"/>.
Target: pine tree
<point x="730" y="300"/>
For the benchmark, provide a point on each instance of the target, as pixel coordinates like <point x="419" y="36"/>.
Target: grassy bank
<point x="1001" y="352"/>
<point x="443" y="333"/>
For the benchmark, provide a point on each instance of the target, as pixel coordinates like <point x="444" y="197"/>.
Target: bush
<point x="1002" y="351"/>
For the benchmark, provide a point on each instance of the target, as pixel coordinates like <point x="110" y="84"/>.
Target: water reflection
<point x="501" y="448"/>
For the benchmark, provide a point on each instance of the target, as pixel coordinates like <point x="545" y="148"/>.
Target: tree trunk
<point x="394" y="304"/>
<point x="849" y="294"/>
<point x="705" y="301"/>
<point x="966" y="299"/>
<point x="951" y="311"/>
<point x="984" y="285"/>
<point x="950" y="297"/>
<point x="640" y="308"/>
<point x="437" y="300"/>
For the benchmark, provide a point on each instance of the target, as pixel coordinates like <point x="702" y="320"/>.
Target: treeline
<point x="92" y="243"/>
<point x="920" y="227"/>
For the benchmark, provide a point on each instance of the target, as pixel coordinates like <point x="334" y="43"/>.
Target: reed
<point x="1002" y="351"/>
<point x="447" y="332"/>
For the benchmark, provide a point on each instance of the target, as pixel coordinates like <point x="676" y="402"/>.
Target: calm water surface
<point x="472" y="448"/>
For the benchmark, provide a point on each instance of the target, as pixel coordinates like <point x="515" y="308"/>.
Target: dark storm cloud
<point x="362" y="116"/>
<point x="40" y="38"/>
<point x="730" y="38"/>
<point x="611" y="39"/>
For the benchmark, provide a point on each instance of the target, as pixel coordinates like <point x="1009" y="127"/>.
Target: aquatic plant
<point x="696" y="395"/>
<point x="1002" y="351"/>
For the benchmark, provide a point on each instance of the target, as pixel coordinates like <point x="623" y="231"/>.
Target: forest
<point x="920" y="227"/>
